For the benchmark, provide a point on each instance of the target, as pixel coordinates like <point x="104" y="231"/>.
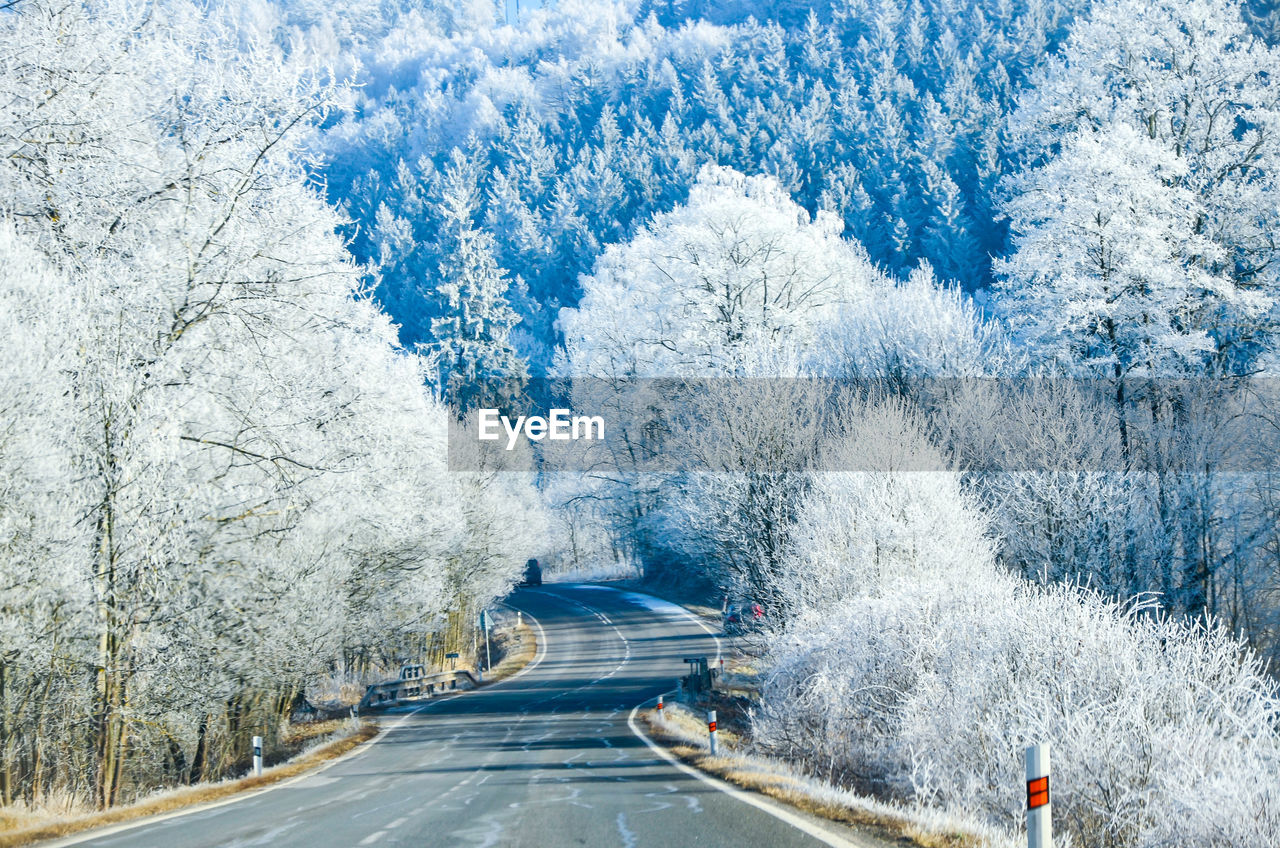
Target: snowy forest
<point x="257" y="257"/>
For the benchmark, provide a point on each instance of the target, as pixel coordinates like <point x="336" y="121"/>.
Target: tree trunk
<point x="199" y="759"/>
<point x="6" y="788"/>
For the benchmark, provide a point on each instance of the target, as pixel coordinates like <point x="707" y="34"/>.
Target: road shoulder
<point x="771" y="785"/>
<point x="526" y="652"/>
<point x="191" y="799"/>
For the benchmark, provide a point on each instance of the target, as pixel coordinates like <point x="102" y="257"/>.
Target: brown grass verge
<point x="519" y="646"/>
<point x="788" y="790"/>
<point x="180" y="798"/>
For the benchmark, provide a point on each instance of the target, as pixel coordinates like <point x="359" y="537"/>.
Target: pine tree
<point x="477" y="361"/>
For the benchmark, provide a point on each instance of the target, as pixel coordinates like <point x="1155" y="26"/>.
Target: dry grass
<point x="180" y="798"/>
<point x="518" y="646"/>
<point x="682" y="735"/>
<point x="681" y="723"/>
<point x="683" y="732"/>
<point x="297" y="736"/>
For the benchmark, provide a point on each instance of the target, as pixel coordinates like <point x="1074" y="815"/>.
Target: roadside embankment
<point x="38" y="827"/>
<point x="316" y="745"/>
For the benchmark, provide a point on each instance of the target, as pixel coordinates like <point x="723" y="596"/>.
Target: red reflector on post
<point x="711" y="725"/>
<point x="1037" y="793"/>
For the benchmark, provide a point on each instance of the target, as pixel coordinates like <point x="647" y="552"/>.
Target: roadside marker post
<point x="661" y="714"/>
<point x="257" y="756"/>
<point x="711" y="731"/>
<point x="484" y="624"/>
<point x="1039" y="821"/>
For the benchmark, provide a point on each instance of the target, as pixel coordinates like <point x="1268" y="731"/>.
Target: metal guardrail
<point x="701" y="677"/>
<point x="413" y="685"/>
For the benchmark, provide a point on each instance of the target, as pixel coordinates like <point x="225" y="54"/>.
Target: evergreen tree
<point x="472" y="336"/>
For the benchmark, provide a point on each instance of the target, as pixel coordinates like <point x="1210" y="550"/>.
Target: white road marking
<point x="626" y="655"/>
<point x="821" y="834"/>
<point x="373" y="837"/>
<point x="99" y="833"/>
<point x="370" y="810"/>
<point x="265" y="839"/>
<point x="537" y="658"/>
<point x="628" y="838"/>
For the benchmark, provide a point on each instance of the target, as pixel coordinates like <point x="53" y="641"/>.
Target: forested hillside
<point x="585" y="120"/>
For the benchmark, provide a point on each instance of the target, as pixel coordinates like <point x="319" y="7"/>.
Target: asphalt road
<point x="542" y="759"/>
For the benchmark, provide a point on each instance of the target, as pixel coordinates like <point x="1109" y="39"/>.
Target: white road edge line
<point x="538" y="655"/>
<point x="821" y="834"/>
<point x="112" y="830"/>
<point x="754" y="800"/>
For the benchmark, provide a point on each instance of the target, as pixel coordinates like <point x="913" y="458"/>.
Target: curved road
<point x="545" y="758"/>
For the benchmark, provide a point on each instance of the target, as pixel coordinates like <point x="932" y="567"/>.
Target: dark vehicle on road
<point x="532" y="574"/>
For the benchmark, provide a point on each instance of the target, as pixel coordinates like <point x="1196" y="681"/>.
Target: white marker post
<point x="661" y="714"/>
<point x="257" y="756"/>
<point x="1039" y="822"/>
<point x="484" y="623"/>
<point x="711" y="731"/>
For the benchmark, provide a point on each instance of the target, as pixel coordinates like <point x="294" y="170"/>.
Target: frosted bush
<point x="867" y="530"/>
<point x="1164" y="732"/>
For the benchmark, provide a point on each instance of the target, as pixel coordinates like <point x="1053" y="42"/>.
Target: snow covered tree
<point x="1142" y="227"/>
<point x="1177" y="97"/>
<point x="233" y="449"/>
<point x="884" y="510"/>
<point x="44" y="550"/>
<point x="1110" y="276"/>
<point x="736" y="284"/>
<point x="472" y="337"/>
<point x="720" y="286"/>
